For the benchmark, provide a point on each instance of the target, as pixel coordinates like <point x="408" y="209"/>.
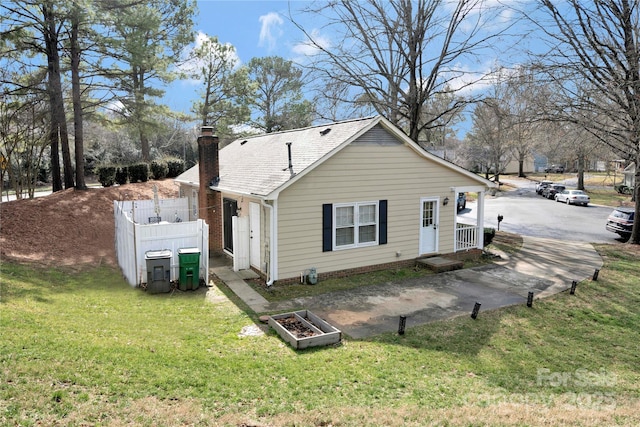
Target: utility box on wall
<point x="158" y="271"/>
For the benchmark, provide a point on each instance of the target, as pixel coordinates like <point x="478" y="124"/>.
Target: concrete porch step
<point x="440" y="264"/>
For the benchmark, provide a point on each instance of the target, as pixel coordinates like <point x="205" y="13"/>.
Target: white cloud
<point x="270" y="30"/>
<point x="307" y="48"/>
<point x="466" y="81"/>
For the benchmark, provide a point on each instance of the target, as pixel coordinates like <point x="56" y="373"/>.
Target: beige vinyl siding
<point x="187" y="190"/>
<point x="364" y="173"/>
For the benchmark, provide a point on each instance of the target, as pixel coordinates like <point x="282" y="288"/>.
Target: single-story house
<point x="338" y="198"/>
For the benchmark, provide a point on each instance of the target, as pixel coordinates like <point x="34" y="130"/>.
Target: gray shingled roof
<point x="259" y="164"/>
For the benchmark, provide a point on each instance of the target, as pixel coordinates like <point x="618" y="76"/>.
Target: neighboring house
<point x="630" y="175"/>
<point x="513" y="166"/>
<point x="339" y="198"/>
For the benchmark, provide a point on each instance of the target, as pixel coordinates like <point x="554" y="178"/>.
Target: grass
<point x="296" y="290"/>
<point x="85" y="349"/>
<point x="505" y="242"/>
<point x="608" y="197"/>
<point x="594" y="179"/>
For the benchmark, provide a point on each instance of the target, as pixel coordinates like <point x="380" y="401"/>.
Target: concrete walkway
<point x="543" y="266"/>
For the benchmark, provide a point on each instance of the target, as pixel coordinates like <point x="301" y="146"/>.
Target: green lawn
<point x="85" y="349"/>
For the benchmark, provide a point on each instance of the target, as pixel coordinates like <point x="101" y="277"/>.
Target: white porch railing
<point x="466" y="237"/>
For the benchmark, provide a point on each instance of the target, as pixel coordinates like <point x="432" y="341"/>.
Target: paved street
<point x="529" y="214"/>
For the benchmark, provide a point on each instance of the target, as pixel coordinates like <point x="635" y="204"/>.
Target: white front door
<point x="254" y="234"/>
<point x="428" y="226"/>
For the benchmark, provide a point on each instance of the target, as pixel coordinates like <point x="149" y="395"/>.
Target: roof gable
<point x="259" y="165"/>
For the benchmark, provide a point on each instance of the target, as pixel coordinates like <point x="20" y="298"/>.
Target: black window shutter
<point x="327" y="227"/>
<point x="382" y="228"/>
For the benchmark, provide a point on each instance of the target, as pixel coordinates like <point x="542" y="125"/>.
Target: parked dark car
<point x="540" y="187"/>
<point x="620" y="221"/>
<point x="555" y="169"/>
<point x="462" y="201"/>
<point x="551" y="190"/>
<point x="541" y="184"/>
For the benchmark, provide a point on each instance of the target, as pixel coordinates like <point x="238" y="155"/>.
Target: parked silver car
<point x="620" y="221"/>
<point x="573" y="197"/>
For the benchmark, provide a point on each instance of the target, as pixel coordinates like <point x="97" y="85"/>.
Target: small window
<point x="355" y="225"/>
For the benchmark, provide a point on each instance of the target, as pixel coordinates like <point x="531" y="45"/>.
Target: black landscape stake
<point x="476" y="309"/>
<point x="402" y="324"/>
<point x="573" y="287"/>
<point x="530" y="299"/>
<point x="595" y="274"/>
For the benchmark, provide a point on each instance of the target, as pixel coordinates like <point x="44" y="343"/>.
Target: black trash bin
<point x="158" y="271"/>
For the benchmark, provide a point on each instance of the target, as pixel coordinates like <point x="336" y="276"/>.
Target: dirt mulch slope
<point x="69" y="228"/>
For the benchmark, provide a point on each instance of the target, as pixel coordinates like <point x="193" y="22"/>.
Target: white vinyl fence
<point x="148" y="225"/>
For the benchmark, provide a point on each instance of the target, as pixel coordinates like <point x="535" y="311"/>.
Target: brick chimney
<point x="210" y="201"/>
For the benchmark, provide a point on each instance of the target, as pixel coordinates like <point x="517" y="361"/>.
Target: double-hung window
<point x="355" y="225"/>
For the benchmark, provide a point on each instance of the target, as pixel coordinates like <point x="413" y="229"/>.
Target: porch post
<point x="480" y="219"/>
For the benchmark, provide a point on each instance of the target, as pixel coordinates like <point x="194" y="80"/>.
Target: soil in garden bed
<point x="295" y="327"/>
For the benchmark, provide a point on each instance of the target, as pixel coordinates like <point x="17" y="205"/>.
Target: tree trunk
<point x="54" y="141"/>
<point x="635" y="231"/>
<point x="581" y="171"/>
<point x="77" y="103"/>
<point x="56" y="177"/>
<point x="144" y="146"/>
<point x="56" y="100"/>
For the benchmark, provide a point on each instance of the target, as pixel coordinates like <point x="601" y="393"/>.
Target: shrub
<point x="489" y="234"/>
<point x="106" y="175"/>
<point x="122" y="175"/>
<point x="139" y="172"/>
<point x="175" y="165"/>
<point x="159" y="169"/>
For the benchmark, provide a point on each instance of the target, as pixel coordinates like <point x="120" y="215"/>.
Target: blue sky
<point x="262" y="28"/>
<point x="254" y="28"/>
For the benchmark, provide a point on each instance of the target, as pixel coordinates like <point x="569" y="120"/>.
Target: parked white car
<point x="573" y="197"/>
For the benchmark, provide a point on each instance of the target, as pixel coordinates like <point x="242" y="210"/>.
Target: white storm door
<point x="428" y="226"/>
<point x="254" y="234"/>
<point x="240" y="242"/>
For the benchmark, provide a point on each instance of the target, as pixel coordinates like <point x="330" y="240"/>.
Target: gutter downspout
<point x="272" y="239"/>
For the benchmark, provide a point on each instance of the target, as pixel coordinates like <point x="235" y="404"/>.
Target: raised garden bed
<point x="304" y="329"/>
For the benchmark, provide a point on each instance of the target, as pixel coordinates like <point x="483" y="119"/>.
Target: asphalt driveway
<point x="543" y="266"/>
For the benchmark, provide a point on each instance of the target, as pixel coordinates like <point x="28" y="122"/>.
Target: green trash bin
<point x="189" y="259"/>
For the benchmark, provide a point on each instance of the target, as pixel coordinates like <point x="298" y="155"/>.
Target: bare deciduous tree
<point x="598" y="43"/>
<point x="488" y="143"/>
<point x="397" y="55"/>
